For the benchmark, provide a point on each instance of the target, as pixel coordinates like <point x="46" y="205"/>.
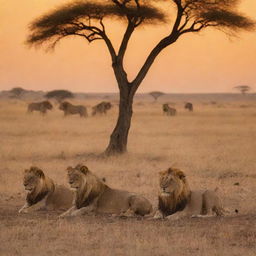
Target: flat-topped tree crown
<point x="86" y="19"/>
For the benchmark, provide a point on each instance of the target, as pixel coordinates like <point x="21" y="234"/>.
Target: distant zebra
<point x="70" y="109"/>
<point x="189" y="106"/>
<point x="169" y="111"/>
<point x="101" y="108"/>
<point x="42" y="106"/>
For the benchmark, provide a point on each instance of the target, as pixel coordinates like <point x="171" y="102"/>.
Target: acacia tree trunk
<point x="127" y="90"/>
<point x="119" y="136"/>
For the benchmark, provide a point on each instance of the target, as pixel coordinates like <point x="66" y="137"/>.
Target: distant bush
<point x="59" y="95"/>
<point x="17" y="92"/>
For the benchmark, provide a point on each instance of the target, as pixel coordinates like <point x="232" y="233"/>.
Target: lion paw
<point x="23" y="210"/>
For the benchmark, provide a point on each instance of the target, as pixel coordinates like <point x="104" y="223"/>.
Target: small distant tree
<point x="17" y="92"/>
<point x="87" y="19"/>
<point x="243" y="88"/>
<point x="156" y="94"/>
<point x="59" y="95"/>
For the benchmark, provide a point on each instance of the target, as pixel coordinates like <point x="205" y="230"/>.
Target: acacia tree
<point x="156" y="94"/>
<point x="243" y="88"/>
<point x="86" y="19"/>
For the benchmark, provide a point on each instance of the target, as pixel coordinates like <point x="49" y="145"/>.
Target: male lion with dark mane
<point x="94" y="196"/>
<point x="101" y="108"/>
<point x="42" y="106"/>
<point x="70" y="109"/>
<point x="43" y="193"/>
<point x="176" y="200"/>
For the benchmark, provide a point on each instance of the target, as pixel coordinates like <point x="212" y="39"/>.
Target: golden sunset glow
<point x="205" y="62"/>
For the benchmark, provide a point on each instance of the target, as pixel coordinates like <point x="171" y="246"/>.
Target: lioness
<point x="92" y="195"/>
<point x="176" y="200"/>
<point x="42" y="107"/>
<point x="43" y="193"/>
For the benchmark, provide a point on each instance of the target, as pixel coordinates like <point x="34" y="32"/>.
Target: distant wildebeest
<point x="101" y="108"/>
<point x="169" y="111"/>
<point x="42" y="106"/>
<point x="70" y="109"/>
<point x="189" y="106"/>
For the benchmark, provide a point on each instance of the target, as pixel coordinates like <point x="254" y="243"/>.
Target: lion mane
<point x="43" y="193"/>
<point x="93" y="195"/>
<point x="170" y="203"/>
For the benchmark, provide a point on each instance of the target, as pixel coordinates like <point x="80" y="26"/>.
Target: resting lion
<point x="176" y="200"/>
<point x="43" y="193"/>
<point x="94" y="196"/>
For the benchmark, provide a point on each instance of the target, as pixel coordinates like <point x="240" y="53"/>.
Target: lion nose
<point x="71" y="182"/>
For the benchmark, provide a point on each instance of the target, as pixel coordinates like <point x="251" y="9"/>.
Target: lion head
<point x="64" y="105"/>
<point x="174" y="191"/>
<point x="86" y="185"/>
<point x="37" y="184"/>
<point x="32" y="178"/>
<point x="47" y="104"/>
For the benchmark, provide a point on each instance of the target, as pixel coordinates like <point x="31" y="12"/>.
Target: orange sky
<point x="205" y="62"/>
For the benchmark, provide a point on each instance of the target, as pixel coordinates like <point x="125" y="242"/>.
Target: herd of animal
<point x="170" y="111"/>
<point x="89" y="195"/>
<point x="101" y="108"/>
<point x="69" y="109"/>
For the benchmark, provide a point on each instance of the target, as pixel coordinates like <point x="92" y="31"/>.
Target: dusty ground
<point x="215" y="146"/>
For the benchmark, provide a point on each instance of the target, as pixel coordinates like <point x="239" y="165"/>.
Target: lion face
<point x="77" y="176"/>
<point x="48" y="104"/>
<point x="171" y="181"/>
<point x="63" y="105"/>
<point x="32" y="178"/>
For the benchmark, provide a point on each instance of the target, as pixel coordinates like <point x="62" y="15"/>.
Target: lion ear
<point x="38" y="172"/>
<point x="170" y="170"/>
<point x="84" y="169"/>
<point x="69" y="168"/>
<point x="161" y="173"/>
<point x="180" y="174"/>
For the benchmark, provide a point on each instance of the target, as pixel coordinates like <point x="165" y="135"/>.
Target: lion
<point x="42" y="107"/>
<point x="70" y="109"/>
<point x="94" y="196"/>
<point x="176" y="200"/>
<point x="43" y="193"/>
<point x="101" y="108"/>
<point x="169" y="111"/>
<point x="189" y="106"/>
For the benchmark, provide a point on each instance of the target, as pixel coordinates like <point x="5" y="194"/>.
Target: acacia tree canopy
<point x="243" y="88"/>
<point x="156" y="94"/>
<point x="79" y="18"/>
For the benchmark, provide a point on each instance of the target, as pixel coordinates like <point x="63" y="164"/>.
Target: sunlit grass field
<point x="215" y="146"/>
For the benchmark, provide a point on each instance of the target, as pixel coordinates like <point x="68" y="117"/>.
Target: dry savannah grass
<point x="215" y="146"/>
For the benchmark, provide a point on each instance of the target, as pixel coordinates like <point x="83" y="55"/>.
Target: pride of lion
<point x="88" y="194"/>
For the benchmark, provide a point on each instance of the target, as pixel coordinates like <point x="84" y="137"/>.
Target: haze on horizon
<point x="205" y="62"/>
